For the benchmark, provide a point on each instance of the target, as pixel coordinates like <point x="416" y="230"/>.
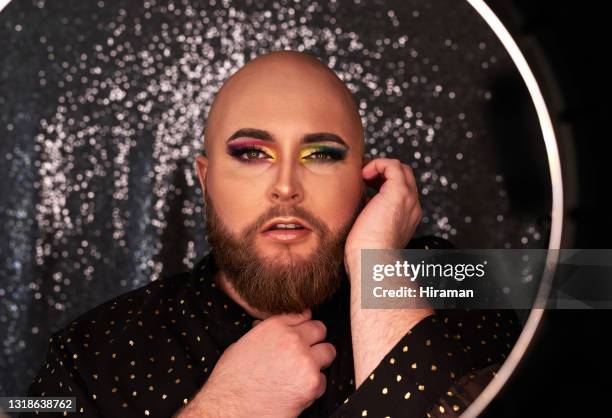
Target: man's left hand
<point x="390" y="218"/>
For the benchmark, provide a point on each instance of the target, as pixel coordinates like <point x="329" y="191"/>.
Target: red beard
<point x="270" y="286"/>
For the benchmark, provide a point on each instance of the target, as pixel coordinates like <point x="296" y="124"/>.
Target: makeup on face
<point x="248" y="150"/>
<point x="322" y="153"/>
<point x="251" y="151"/>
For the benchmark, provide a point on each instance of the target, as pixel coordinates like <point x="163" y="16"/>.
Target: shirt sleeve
<point x="58" y="377"/>
<point x="429" y="368"/>
<point x="459" y="396"/>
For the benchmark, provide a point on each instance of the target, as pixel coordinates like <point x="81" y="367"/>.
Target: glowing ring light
<point x="3" y="4"/>
<point x="554" y="243"/>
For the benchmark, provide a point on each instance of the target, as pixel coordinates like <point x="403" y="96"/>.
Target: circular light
<point x="3" y="4"/>
<point x="554" y="164"/>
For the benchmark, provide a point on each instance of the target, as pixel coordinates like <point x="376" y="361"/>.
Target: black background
<point x="568" y="369"/>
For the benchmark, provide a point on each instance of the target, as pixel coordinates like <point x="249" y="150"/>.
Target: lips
<point x="286" y="231"/>
<point x="285" y="224"/>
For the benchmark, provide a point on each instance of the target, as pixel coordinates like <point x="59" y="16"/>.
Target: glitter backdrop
<point x="103" y="106"/>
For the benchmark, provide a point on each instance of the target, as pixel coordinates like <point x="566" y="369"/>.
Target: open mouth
<point x="285" y="225"/>
<point x="286" y="230"/>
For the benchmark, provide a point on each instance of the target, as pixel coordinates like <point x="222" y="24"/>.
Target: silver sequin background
<point x="103" y="106"/>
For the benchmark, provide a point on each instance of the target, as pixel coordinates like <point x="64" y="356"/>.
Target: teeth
<point x="287" y="226"/>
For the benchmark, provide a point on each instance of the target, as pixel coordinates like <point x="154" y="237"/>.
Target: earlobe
<point x="365" y="161"/>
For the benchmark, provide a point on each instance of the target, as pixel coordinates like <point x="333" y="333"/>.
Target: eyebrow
<point x="306" y="139"/>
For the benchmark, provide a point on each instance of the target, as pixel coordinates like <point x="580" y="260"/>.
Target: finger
<point x="324" y="354"/>
<point x="412" y="185"/>
<point x="416" y="215"/>
<point x="409" y="175"/>
<point x="388" y="169"/>
<point x="322" y="385"/>
<point x="256" y="322"/>
<point x="294" y="319"/>
<point x="311" y="332"/>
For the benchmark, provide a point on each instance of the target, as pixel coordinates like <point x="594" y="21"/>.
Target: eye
<point x="319" y="155"/>
<point x="252" y="154"/>
<point x="327" y="154"/>
<point x="249" y="154"/>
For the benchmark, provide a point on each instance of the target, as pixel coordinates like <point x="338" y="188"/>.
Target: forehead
<point x="287" y="104"/>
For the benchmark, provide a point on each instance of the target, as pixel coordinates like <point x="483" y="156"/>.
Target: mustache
<point x="285" y="210"/>
<point x="294" y="211"/>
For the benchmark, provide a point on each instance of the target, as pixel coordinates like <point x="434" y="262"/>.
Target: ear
<point x="365" y="160"/>
<point x="201" y="163"/>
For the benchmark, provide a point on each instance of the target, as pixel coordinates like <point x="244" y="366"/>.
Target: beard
<point x="279" y="287"/>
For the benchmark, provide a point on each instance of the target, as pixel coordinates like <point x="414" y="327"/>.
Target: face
<point x="283" y="185"/>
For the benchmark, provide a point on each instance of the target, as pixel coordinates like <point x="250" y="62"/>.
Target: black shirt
<point x="149" y="351"/>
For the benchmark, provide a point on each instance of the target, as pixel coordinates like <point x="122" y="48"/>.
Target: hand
<point x="274" y="370"/>
<point x="390" y="218"/>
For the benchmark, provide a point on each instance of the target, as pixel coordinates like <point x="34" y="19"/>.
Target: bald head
<point x="280" y="88"/>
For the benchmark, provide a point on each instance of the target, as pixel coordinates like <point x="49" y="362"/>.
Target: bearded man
<point x="269" y="322"/>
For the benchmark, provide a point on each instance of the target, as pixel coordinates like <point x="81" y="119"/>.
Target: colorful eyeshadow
<point x="310" y="153"/>
<point x="321" y="153"/>
<point x="239" y="148"/>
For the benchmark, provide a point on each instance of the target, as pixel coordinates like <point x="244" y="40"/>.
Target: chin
<point x="286" y="255"/>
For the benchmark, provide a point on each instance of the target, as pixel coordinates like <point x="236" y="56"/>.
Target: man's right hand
<point x="274" y="370"/>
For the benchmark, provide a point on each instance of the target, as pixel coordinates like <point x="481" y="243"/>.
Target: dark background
<point x="568" y="370"/>
<point x="102" y="109"/>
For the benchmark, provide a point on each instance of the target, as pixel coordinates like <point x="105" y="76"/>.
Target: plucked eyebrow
<point x="306" y="139"/>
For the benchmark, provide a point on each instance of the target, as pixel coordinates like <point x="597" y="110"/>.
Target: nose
<point x="287" y="187"/>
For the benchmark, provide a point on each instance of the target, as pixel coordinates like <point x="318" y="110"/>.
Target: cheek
<point x="336" y="198"/>
<point x="236" y="200"/>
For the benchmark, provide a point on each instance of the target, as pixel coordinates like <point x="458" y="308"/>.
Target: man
<point x="269" y="323"/>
